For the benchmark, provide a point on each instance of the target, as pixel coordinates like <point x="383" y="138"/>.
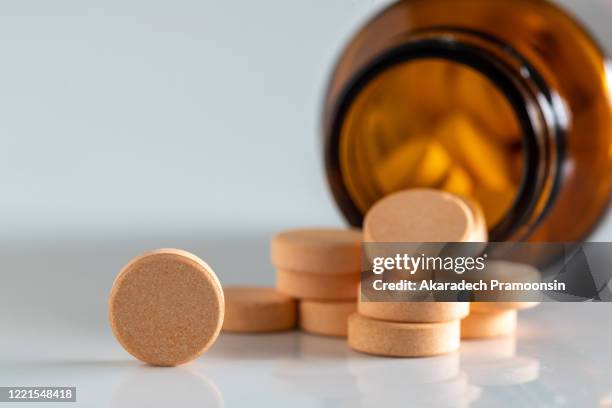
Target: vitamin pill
<point x="393" y="339"/>
<point x="330" y="251"/>
<point x="317" y="286"/>
<point x="419" y="162"/>
<point x="458" y="182"/>
<point x="166" y="307"/>
<point x="326" y="318"/>
<point x="258" y="310"/>
<point x="482" y="158"/>
<point x="434" y="167"/>
<point x="488" y="325"/>
<point x="414" y="312"/>
<point x="419" y="215"/>
<point x="396" y="171"/>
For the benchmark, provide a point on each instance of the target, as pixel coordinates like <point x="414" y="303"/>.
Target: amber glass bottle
<point x="504" y="101"/>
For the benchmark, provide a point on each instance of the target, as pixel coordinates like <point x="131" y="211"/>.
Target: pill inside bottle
<point x="433" y="124"/>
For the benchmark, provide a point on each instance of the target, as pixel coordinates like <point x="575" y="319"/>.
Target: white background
<point x="202" y="115"/>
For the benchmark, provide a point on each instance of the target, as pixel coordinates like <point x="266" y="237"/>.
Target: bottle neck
<point x="537" y="108"/>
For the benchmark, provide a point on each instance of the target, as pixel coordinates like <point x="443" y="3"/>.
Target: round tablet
<point x="317" y="286"/>
<point x="488" y="325"/>
<point x="332" y="251"/>
<point x="326" y="318"/>
<point x="419" y="215"/>
<point x="166" y="307"/>
<point x="414" y="312"/>
<point x="402" y="339"/>
<point x="258" y="310"/>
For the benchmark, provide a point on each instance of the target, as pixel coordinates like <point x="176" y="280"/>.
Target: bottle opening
<point x="433" y="123"/>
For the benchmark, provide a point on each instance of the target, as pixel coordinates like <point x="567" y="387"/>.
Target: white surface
<point x="562" y="359"/>
<point x="55" y="332"/>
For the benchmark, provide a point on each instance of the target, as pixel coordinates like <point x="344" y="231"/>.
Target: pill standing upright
<point x="166" y="307"/>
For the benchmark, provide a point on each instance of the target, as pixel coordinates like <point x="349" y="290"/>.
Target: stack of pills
<point x="497" y="317"/>
<point x="321" y="268"/>
<point x="415" y="329"/>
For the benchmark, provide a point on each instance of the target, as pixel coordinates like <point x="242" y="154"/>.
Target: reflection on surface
<point x="494" y="362"/>
<point x="183" y="386"/>
<point x="319" y="369"/>
<point x="495" y="366"/>
<point x="328" y="369"/>
<point x="436" y="381"/>
<point x="543" y="366"/>
<point x="325" y="369"/>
